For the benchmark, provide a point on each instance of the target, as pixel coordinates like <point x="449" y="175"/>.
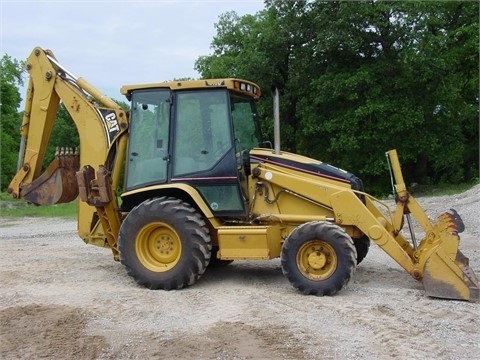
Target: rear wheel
<point x="362" y="245"/>
<point x="318" y="258"/>
<point x="164" y="244"/>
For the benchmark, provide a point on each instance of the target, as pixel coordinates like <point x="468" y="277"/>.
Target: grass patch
<point x="18" y="208"/>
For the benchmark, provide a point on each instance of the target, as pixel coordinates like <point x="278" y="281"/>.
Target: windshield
<point x="148" y="137"/>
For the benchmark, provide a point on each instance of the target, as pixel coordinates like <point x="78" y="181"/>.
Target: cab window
<point x="202" y="130"/>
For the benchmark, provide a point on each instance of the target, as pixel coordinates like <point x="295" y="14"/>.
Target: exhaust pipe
<point x="276" y="121"/>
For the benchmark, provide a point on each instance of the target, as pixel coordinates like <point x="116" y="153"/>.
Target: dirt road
<point x="62" y="299"/>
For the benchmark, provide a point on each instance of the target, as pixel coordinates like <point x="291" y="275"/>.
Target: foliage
<point x="10" y="79"/>
<point x="64" y="134"/>
<point x="359" y="78"/>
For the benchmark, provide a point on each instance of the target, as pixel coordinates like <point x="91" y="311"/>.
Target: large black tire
<point x="164" y="243"/>
<point x="318" y="258"/>
<point x="362" y="245"/>
<point x="216" y="262"/>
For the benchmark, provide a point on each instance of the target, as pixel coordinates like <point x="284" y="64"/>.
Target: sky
<point x="113" y="43"/>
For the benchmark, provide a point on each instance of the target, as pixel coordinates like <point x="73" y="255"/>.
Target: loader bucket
<point x="446" y="271"/>
<point x="58" y="184"/>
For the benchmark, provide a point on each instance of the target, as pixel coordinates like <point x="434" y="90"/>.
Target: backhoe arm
<point x="49" y="84"/>
<point x="101" y="125"/>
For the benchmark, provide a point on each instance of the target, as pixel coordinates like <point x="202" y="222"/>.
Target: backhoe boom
<point x="100" y="123"/>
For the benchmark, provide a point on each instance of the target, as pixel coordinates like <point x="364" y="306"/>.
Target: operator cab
<point x="197" y="133"/>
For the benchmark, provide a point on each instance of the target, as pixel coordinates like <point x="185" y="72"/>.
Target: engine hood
<point x="307" y="165"/>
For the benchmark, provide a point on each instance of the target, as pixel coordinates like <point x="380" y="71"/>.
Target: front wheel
<point x="164" y="244"/>
<point x="318" y="258"/>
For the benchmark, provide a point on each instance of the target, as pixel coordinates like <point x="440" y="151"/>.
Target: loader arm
<point x="101" y="125"/>
<point x="436" y="261"/>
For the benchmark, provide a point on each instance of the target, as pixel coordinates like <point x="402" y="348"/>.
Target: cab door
<point x="203" y="149"/>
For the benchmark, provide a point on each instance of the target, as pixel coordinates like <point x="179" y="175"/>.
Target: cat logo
<point x="111" y="122"/>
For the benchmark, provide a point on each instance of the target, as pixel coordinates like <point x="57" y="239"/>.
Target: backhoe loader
<point x="184" y="180"/>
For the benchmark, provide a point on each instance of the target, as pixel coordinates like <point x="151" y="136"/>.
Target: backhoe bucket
<point x="446" y="271"/>
<point x="58" y="184"/>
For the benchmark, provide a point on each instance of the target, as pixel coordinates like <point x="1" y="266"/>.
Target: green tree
<point x="64" y="134"/>
<point x="359" y="105"/>
<point x="11" y="71"/>
<point x="398" y="76"/>
<point x="444" y="65"/>
<point x="359" y="78"/>
<point x="264" y="48"/>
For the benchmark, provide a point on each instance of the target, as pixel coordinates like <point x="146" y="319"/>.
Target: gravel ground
<point x="65" y="300"/>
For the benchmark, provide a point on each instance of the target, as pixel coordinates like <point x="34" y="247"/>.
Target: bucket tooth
<point x="457" y="220"/>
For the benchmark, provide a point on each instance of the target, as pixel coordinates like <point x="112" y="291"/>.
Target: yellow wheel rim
<point x="158" y="247"/>
<point x="317" y="260"/>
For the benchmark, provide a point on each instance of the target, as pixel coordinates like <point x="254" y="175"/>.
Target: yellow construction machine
<point x="185" y="179"/>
